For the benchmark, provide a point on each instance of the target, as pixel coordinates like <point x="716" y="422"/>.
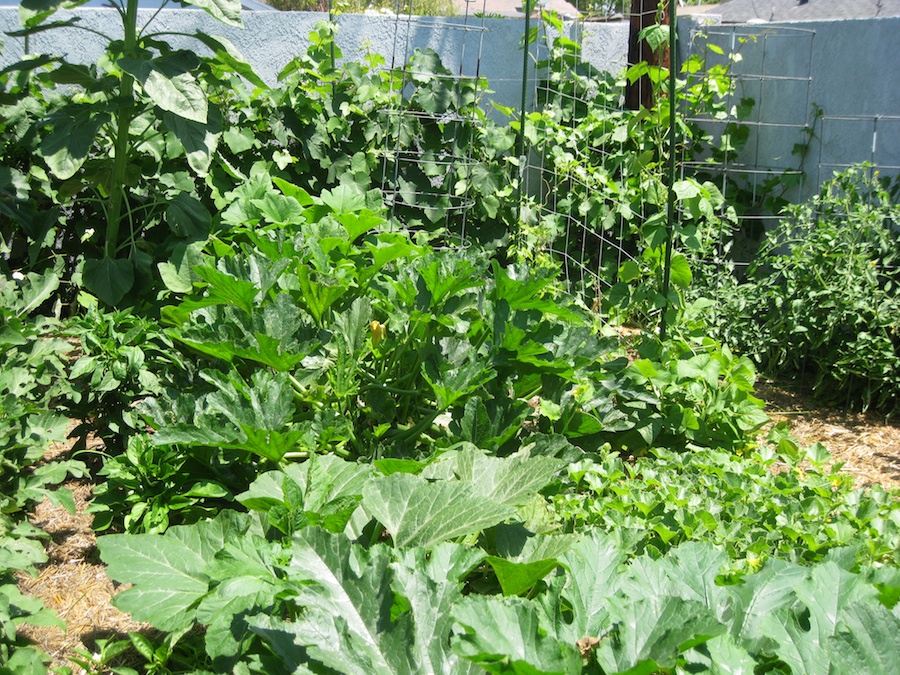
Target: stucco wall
<point x="848" y="69"/>
<point x="852" y="65"/>
<point x="270" y="40"/>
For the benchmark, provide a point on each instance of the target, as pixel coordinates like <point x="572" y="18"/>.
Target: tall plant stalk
<point x="124" y="116"/>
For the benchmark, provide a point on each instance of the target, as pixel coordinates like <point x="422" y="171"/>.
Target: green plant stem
<point x="124" y="115"/>
<point x="673" y="144"/>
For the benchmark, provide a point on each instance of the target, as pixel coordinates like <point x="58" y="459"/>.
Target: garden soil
<point x="73" y="582"/>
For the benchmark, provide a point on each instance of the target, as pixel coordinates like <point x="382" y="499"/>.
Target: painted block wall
<point x="852" y="64"/>
<point x="853" y="74"/>
<point x="270" y="40"/>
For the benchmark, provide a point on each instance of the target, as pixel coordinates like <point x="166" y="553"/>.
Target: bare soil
<point x="74" y="584"/>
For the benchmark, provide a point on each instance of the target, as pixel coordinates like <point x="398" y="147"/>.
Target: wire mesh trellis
<point x="758" y="140"/>
<point x="584" y="193"/>
<point x="427" y="165"/>
<point x="857" y="139"/>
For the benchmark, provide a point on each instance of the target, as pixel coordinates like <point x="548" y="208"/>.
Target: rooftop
<point x="746" y="11"/>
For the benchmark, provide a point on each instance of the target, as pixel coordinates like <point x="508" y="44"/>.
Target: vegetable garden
<point x="328" y="433"/>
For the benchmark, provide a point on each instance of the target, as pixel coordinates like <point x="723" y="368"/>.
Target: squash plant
<point x="141" y="107"/>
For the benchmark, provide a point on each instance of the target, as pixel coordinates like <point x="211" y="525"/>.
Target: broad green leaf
<point x="177" y="272"/>
<point x="431" y="584"/>
<point x="593" y="569"/>
<point x="109" y="279"/>
<point x="693" y="568"/>
<point x="188" y="218"/>
<point x="656" y="36"/>
<point x="512" y="480"/>
<point x="344" y="198"/>
<point x="652" y="630"/>
<point x="420" y="513"/>
<point x="174" y="91"/>
<point x="453" y="383"/>
<point x="199" y="139"/>
<point x="293" y="191"/>
<point x="245" y="579"/>
<point x="226" y="289"/>
<point x="761" y="595"/>
<point x="826" y="592"/>
<point x="519" y="577"/>
<point x="685" y="189"/>
<point x="317" y="295"/>
<point x="344" y="590"/>
<point x="867" y="641"/>
<point x="319" y="481"/>
<point x="527" y="293"/>
<point x="680" y="271"/>
<point x="720" y="656"/>
<point x="629" y="271"/>
<point x="279" y="209"/>
<point x="35" y="290"/>
<point x="509" y="635"/>
<point x="167" y="571"/>
<point x="68" y="144"/>
<point x="226" y="11"/>
<point x="228" y="54"/>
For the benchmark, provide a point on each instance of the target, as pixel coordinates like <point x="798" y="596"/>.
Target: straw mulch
<point x="73" y="582"/>
<point x="866" y="443"/>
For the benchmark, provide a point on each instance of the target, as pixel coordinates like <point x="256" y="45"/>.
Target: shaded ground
<point x="74" y="584"/>
<point x="868" y="446"/>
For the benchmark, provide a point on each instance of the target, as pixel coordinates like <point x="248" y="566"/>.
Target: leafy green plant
<point x="418" y="132"/>
<point x="31" y="367"/>
<point x="821" y="295"/>
<point x="756" y="506"/>
<point x="111" y="146"/>
<point x="121" y="358"/>
<point x="604" y="202"/>
<point x="591" y="605"/>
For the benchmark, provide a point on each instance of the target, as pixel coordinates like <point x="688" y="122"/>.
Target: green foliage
<point x="320" y="600"/>
<point x="605" y="193"/>
<point x="755" y="506"/>
<point x="121" y="359"/>
<point x="31" y="360"/>
<point x="107" y="152"/>
<point x="352" y="448"/>
<point x="821" y="296"/>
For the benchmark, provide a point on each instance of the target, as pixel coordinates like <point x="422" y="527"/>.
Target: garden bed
<point x="74" y="584"/>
